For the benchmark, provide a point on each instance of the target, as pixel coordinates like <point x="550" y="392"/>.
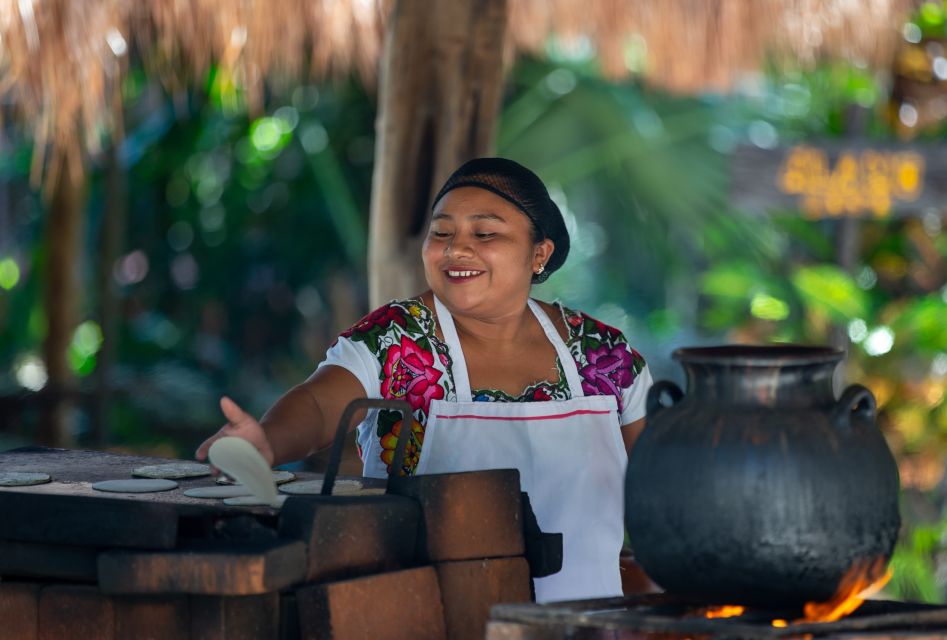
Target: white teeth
<point x="462" y="274"/>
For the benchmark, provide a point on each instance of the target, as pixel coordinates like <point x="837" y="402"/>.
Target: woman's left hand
<point x="240" y="424"/>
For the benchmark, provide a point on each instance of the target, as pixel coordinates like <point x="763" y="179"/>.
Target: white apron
<point x="569" y="454"/>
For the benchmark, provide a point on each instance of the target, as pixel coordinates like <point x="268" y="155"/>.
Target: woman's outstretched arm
<point x="300" y="423"/>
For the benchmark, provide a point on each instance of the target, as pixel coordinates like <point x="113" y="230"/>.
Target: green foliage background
<point x="253" y="230"/>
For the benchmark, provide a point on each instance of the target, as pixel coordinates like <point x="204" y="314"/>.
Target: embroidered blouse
<point x="395" y="353"/>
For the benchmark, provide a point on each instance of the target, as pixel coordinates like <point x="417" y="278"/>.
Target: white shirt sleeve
<point x="634" y="398"/>
<point x="356" y="358"/>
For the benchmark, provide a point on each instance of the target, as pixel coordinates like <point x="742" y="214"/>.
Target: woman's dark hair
<point x="523" y="188"/>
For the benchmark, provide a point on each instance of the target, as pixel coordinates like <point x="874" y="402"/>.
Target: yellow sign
<point x="865" y="180"/>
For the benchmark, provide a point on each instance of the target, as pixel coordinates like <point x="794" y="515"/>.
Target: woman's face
<point x="479" y="255"/>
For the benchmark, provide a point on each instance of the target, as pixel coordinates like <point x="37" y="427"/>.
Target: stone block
<point x="401" y="605"/>
<point x="348" y="536"/>
<point x="470" y="587"/>
<point x="19" y="610"/>
<point x="75" y="611"/>
<point x="466" y="516"/>
<point x="88" y="521"/>
<point x="31" y="560"/>
<point x="151" y="618"/>
<point x="235" y="617"/>
<point x="211" y="567"/>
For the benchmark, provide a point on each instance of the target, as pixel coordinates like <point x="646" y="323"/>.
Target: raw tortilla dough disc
<point x="240" y="460"/>
<point x="253" y="501"/>
<point x="173" y="470"/>
<point x="314" y="487"/>
<point x="149" y="485"/>
<point x="226" y="491"/>
<point x="279" y="477"/>
<point x="22" y="478"/>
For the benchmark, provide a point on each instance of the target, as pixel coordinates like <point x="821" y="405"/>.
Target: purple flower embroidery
<point x="608" y="372"/>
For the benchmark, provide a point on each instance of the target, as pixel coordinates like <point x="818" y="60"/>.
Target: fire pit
<point x="668" y="617"/>
<point x="763" y="504"/>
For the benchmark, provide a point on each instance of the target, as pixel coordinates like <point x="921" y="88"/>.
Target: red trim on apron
<point x="577" y="412"/>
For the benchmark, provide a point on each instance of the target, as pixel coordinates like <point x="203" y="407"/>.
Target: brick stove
<point x="76" y="563"/>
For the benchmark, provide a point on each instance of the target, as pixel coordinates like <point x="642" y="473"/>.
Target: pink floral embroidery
<point x="409" y="374"/>
<point x="608" y="372"/>
<point x="382" y="317"/>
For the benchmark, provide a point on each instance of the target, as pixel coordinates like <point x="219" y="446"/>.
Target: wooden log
<point x="402" y="605"/>
<point x="469" y="588"/>
<point x="352" y="536"/>
<point x="466" y="516"/>
<point x="440" y="86"/>
<point x="209" y="567"/>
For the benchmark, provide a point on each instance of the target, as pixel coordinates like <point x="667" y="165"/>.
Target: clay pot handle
<point x="855" y="399"/>
<point x="653" y="404"/>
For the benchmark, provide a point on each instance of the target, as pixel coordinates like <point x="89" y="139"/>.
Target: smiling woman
<point x="495" y="378"/>
<point x="480" y="255"/>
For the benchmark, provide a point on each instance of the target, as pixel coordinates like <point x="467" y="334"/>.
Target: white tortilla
<point x="22" y="478"/>
<point x="279" y="477"/>
<point x="253" y="501"/>
<point x="241" y="461"/>
<point x="227" y="491"/>
<point x="173" y="470"/>
<point x="142" y="485"/>
<point x="314" y="487"/>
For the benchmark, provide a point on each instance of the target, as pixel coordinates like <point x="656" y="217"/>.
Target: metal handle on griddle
<point x="335" y="457"/>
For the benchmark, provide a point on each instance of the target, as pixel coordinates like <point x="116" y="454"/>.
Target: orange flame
<point x="725" y="611"/>
<point x="864" y="579"/>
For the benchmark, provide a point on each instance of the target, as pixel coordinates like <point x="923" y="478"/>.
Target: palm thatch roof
<point x="62" y="61"/>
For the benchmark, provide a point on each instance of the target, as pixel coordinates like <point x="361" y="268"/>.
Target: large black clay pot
<point x="757" y="486"/>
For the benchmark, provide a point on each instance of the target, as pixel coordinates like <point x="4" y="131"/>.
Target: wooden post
<point x="63" y="245"/>
<point x="848" y="239"/>
<point x="440" y="85"/>
<point x="111" y="236"/>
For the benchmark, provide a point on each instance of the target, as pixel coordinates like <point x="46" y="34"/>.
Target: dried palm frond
<point x="62" y="61"/>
